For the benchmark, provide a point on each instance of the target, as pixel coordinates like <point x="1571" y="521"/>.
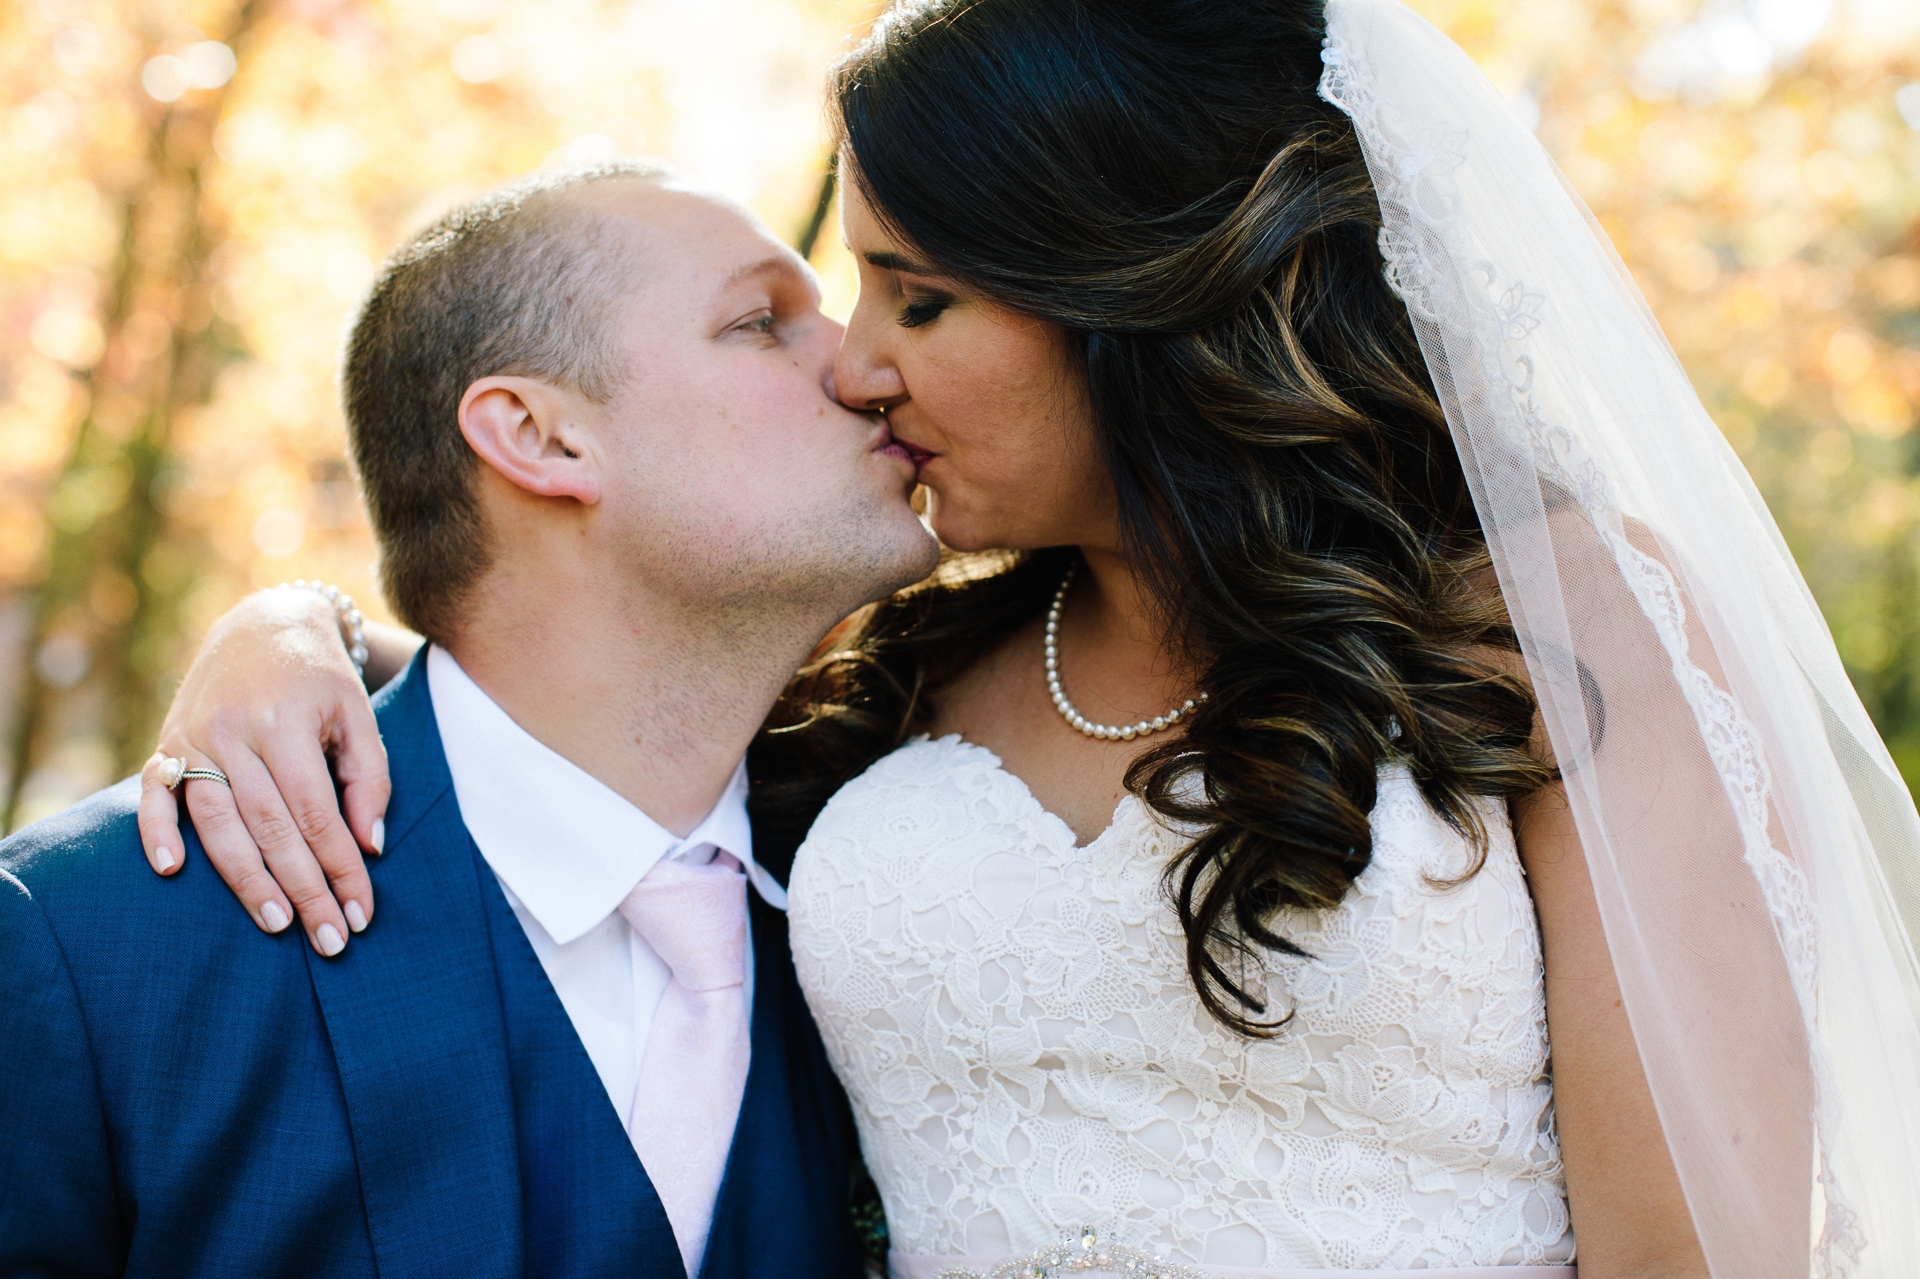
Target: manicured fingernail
<point x="330" y="940"/>
<point x="163" y="857"/>
<point x="356" y="918"/>
<point x="273" y="917"/>
<point x="379" y="834"/>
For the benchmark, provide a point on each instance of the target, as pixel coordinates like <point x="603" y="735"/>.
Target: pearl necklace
<point x="1106" y="732"/>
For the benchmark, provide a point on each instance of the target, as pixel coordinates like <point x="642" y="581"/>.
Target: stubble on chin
<point x="870" y="550"/>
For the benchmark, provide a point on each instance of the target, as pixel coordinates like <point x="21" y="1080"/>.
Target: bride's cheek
<point x="954" y="523"/>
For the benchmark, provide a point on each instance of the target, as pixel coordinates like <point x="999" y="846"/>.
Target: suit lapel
<point x="413" y="1013"/>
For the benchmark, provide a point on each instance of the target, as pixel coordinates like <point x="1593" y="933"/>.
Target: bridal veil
<point x="1754" y="852"/>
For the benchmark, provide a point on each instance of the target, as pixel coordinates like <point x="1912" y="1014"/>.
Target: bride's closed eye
<point x="923" y="309"/>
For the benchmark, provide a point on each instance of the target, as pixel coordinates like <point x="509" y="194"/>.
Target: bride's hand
<point x="271" y="695"/>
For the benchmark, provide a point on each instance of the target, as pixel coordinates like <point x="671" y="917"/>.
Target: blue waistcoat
<point x="181" y="1095"/>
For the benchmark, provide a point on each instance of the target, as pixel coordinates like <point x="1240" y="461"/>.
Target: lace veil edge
<point x="1754" y="853"/>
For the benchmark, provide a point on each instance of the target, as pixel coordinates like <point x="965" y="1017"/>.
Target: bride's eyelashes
<point x="923" y="309"/>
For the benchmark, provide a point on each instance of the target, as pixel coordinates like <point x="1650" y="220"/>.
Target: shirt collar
<point x="567" y="845"/>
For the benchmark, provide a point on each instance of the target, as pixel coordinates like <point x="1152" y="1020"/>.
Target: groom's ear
<point x="530" y="432"/>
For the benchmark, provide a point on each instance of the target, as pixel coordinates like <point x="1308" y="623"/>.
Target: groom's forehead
<point x="690" y="247"/>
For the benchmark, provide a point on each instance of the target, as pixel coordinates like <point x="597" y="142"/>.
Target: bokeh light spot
<point x="166" y="78"/>
<point x="1906" y="100"/>
<point x="210" y="64"/>
<point x="71" y="337"/>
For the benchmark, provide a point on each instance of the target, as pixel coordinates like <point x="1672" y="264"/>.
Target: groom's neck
<point x="656" y="700"/>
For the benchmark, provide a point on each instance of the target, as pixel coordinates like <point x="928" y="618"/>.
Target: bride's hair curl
<point x="1161" y="179"/>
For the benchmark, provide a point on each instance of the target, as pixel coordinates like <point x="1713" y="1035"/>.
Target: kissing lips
<point x="906" y="452"/>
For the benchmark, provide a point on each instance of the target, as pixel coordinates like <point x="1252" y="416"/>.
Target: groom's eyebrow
<point x="895" y="262"/>
<point x="765" y="266"/>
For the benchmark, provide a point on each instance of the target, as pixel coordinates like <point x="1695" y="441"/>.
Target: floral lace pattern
<point x="1013" y="1018"/>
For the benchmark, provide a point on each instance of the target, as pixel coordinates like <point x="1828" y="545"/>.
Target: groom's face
<point x="735" y="475"/>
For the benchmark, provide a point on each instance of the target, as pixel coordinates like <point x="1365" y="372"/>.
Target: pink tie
<point x="694" y="1068"/>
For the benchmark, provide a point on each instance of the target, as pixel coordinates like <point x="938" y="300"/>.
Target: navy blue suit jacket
<point x="180" y="1095"/>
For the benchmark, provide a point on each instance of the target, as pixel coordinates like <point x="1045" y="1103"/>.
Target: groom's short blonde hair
<point x="521" y="280"/>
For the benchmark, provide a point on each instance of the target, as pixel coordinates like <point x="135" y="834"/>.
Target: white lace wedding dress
<point x="1013" y="1019"/>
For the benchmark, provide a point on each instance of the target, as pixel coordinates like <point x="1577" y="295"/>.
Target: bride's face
<point x="992" y="402"/>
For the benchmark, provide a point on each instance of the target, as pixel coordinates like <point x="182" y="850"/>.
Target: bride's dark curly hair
<point x="1161" y="179"/>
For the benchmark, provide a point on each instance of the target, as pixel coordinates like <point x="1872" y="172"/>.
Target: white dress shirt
<point x="568" y="849"/>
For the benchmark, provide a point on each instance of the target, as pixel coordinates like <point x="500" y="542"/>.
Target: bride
<point x="1342" y="682"/>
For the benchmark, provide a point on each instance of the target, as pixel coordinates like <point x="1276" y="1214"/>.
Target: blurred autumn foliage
<point x="195" y="191"/>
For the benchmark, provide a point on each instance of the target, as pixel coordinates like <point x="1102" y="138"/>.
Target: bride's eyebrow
<point x="895" y="262"/>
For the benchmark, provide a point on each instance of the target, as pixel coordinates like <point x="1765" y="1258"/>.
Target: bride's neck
<point x="1113" y="626"/>
<point x="657" y="701"/>
<point x="1111" y="579"/>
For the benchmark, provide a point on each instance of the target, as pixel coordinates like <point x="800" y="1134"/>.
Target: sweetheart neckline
<point x="995" y="765"/>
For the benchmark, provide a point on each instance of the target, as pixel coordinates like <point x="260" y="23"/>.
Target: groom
<point x="595" y="426"/>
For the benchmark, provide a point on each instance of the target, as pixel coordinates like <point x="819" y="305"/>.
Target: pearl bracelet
<point x="352" y="625"/>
